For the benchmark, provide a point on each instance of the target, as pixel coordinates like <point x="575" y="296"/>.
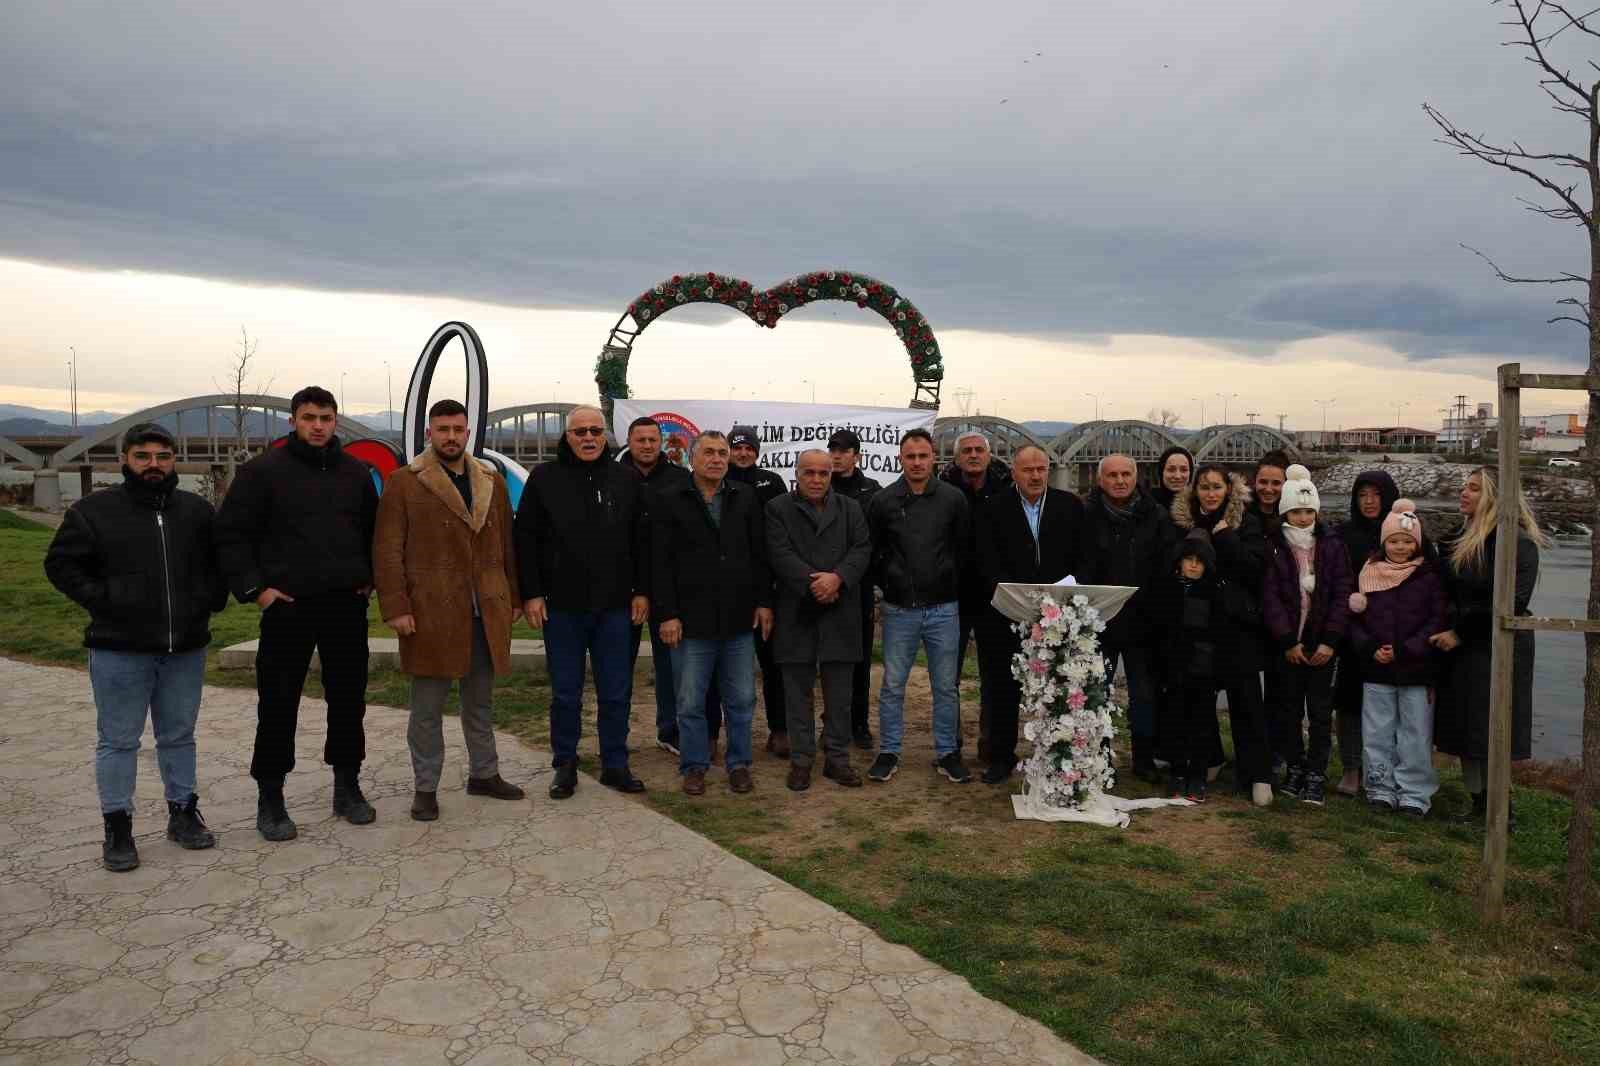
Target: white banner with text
<point x="784" y="429"/>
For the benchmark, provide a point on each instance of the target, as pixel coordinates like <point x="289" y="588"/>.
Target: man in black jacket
<point x="920" y="534"/>
<point x="581" y="549"/>
<point x="295" y="538"/>
<point x="844" y="449"/>
<point x="139" y="558"/>
<point x="712" y="595"/>
<point x="1127" y="539"/>
<point x="744" y="448"/>
<point x="981" y="478"/>
<point x="644" y="458"/>
<point x="1032" y="535"/>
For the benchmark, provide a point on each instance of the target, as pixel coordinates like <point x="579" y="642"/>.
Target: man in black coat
<point x="643" y="456"/>
<point x="981" y="478"/>
<point x="1128" y="539"/>
<point x="744" y="448"/>
<point x="1031" y="534"/>
<point x="819" y="549"/>
<point x="712" y="596"/>
<point x="139" y="558"/>
<point x="582" y="558"/>
<point x="295" y="538"/>
<point x="844" y="450"/>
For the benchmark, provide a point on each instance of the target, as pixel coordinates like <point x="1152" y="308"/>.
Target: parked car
<point x="1563" y="462"/>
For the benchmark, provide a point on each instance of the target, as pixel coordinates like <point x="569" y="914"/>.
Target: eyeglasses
<point x="587" y="431"/>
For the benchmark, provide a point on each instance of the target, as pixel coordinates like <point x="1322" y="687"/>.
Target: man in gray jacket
<point x="819" y="550"/>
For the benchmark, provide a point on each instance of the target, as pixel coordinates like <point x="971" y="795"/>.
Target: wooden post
<point x="1492" y="891"/>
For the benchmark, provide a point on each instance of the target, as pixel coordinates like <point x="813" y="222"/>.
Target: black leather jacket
<point x="141" y="561"/>
<point x="919" y="543"/>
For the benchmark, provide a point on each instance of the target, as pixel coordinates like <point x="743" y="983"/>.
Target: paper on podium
<point x="1020" y="602"/>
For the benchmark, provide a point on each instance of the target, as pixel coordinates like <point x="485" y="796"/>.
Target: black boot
<point x="1478" y="813"/>
<point x="566" y="782"/>
<point x="1144" y="759"/>
<point x="118" y="853"/>
<point x="272" y="818"/>
<point x="425" y="806"/>
<point x="348" y="802"/>
<point x="186" y="828"/>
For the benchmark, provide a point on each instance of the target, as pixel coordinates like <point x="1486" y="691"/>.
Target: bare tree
<point x="1164" y="417"/>
<point x="234" y="385"/>
<point x="1568" y="184"/>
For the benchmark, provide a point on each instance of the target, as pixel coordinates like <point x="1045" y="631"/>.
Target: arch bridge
<point x="1239" y="444"/>
<point x="216" y="429"/>
<point x="1005" y="436"/>
<point x="528" y="433"/>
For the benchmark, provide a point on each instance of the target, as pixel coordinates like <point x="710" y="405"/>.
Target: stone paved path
<point x="593" y="931"/>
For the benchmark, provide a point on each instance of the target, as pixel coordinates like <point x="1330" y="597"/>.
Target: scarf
<point x="1119" y="514"/>
<point x="1380" y="575"/>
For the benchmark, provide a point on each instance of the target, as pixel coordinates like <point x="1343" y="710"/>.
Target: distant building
<point x="1570" y="425"/>
<point x="1337" y="438"/>
<point x="1462" y="431"/>
<point x="1400" y="436"/>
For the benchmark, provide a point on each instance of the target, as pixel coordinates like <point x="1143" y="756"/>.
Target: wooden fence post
<point x="1492" y="890"/>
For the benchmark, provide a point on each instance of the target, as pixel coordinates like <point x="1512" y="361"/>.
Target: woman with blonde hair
<point x="1461" y="721"/>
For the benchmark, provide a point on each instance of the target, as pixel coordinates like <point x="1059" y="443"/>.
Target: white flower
<point x="741" y="305"/>
<point x="681" y="298"/>
<point x="783" y="309"/>
<point x="710" y="292"/>
<point x="660" y="289"/>
<point x="646" y="313"/>
<point x="811" y="293"/>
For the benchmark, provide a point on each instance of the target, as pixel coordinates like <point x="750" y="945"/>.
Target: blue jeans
<point x="127" y="685"/>
<point x="734" y="661"/>
<point x="1397" y="745"/>
<point x="605" y="637"/>
<point x="666" y="686"/>
<point x="938" y="630"/>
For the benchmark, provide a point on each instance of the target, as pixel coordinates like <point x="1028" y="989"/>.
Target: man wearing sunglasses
<point x="582" y="560"/>
<point x="139" y="558"/>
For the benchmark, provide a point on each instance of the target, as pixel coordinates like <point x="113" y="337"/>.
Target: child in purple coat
<point x="1398" y="604"/>
<point x="1306" y="608"/>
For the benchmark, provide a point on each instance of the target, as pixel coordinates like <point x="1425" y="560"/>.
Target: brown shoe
<point x="778" y="744"/>
<point x="842" y="774"/>
<point x="694" y="783"/>
<point x="799" y="778"/>
<point x="739" y="780"/>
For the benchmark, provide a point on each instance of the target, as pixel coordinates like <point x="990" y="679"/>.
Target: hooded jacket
<point x="141" y="561"/>
<point x="581" y="536"/>
<point x="1193" y="626"/>
<point x="996" y="480"/>
<point x="1358" y="533"/>
<point x="1124" y="551"/>
<point x="298" y="519"/>
<point x="1328" y="618"/>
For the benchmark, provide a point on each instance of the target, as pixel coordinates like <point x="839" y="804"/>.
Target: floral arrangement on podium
<point x="1067" y="708"/>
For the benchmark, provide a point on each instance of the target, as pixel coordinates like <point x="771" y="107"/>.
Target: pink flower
<point x="1051" y="612"/>
<point x="1077" y="700"/>
<point x="1038" y="632"/>
<point x="1038" y="666"/>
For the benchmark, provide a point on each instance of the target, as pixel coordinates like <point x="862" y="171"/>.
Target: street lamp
<point x="1397" y="409"/>
<point x="1096" y="396"/>
<point x="1225" y="397"/>
<point x="342" y="374"/>
<point x="1202" y="402"/>
<point x="72" y="384"/>
<point x="388" y="376"/>
<point x="1325" y="404"/>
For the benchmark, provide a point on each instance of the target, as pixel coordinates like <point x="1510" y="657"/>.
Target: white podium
<point x="1067" y="710"/>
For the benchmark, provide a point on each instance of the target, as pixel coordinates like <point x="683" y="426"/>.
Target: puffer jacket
<point x="1328" y="618"/>
<point x="1405" y="617"/>
<point x="141" y="560"/>
<point x="919" y="543"/>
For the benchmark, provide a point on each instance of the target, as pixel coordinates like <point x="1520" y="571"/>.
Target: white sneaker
<point x="1261" y="794"/>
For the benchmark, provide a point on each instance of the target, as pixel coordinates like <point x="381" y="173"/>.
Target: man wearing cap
<point x="744" y="447"/>
<point x="981" y="478"/>
<point x="139" y="558"/>
<point x="844" y="451"/>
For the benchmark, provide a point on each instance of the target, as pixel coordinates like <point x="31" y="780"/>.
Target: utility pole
<point x="1397" y="409"/>
<point x="1281" y="417"/>
<point x="72" y="385"/>
<point x="1096" y="396"/>
<point x="342" y="373"/>
<point x="388" y="374"/>
<point x="1325" y="404"/>
<point x="1251" y="415"/>
<point x="1225" y="397"/>
<point x="1202" y="402"/>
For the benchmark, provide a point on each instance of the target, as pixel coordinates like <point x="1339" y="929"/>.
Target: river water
<point x="1562" y="592"/>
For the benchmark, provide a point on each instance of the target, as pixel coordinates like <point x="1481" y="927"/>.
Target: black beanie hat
<point x="744" y="435"/>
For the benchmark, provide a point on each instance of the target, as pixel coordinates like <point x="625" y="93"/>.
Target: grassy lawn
<point x="1224" y="934"/>
<point x="38" y="623"/>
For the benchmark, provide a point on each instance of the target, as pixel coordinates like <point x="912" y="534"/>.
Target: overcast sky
<point x="1239" y="198"/>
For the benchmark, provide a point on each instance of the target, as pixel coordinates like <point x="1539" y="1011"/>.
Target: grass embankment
<point x="38" y="623"/>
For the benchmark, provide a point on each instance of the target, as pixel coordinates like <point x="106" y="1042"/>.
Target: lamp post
<point x="1397" y="409"/>
<point x="342" y="374"/>
<point x="1202" y="402"/>
<point x="388" y="376"/>
<point x="1325" y="404"/>
<point x="1096" y="397"/>
<point x="72" y="384"/>
<point x="1225" y="397"/>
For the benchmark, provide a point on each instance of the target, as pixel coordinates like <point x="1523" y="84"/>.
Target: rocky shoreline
<point x="1564" y="506"/>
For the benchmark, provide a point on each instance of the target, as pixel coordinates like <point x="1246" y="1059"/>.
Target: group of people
<point x="730" y="571"/>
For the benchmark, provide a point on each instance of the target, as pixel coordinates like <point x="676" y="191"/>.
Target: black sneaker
<point x="997" y="774"/>
<point x="883" y="767"/>
<point x="1315" y="790"/>
<point x="348" y="801"/>
<point x="1294" y="784"/>
<point x="118" y="852"/>
<point x="952" y="767"/>
<point x="272" y="817"/>
<point x="186" y="828"/>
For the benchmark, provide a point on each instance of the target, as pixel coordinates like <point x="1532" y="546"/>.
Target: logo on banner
<point x="677" y="434"/>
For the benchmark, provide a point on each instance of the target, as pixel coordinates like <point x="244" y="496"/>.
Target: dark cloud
<point x="1224" y="176"/>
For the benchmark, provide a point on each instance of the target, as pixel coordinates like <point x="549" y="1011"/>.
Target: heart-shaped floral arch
<point x="765" y="307"/>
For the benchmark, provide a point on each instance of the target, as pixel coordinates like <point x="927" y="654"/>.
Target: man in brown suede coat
<point x="445" y="567"/>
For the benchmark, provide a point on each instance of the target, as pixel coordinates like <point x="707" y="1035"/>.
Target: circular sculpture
<point x="765" y="307"/>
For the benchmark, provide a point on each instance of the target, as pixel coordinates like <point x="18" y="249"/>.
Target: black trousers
<point x="1347" y="700"/>
<point x="799" y="682"/>
<point x="997" y="643"/>
<point x="1307" y="696"/>
<point x="976" y="628"/>
<point x="1275" y="698"/>
<point x="1188" y="724"/>
<point x="334" y="625"/>
<point x="1247" y="719"/>
<point x="861" y="672"/>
